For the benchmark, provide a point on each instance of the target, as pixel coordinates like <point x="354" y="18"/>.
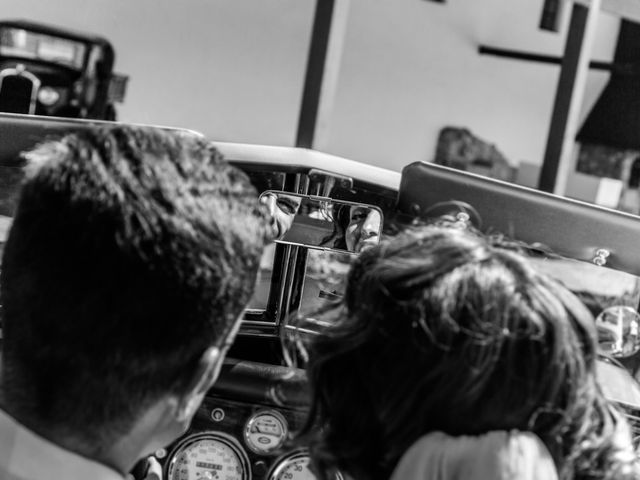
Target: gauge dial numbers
<point x="209" y="456"/>
<point x="295" y="467"/>
<point x="266" y="431"/>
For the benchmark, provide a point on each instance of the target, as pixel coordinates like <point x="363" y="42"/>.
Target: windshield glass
<point x="18" y="42"/>
<point x="598" y="287"/>
<point x="325" y="279"/>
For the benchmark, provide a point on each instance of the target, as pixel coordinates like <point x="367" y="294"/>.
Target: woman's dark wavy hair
<point x="340" y="216"/>
<point x="441" y="330"/>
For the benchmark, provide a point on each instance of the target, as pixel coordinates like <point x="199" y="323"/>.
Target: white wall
<point x="234" y="69"/>
<point x="411" y="67"/>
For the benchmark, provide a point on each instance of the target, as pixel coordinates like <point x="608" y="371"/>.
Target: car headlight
<point x="48" y="96"/>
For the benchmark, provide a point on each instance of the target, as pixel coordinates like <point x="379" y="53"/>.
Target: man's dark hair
<point x="132" y="251"/>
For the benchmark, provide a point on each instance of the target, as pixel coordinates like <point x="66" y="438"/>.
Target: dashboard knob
<point x="260" y="467"/>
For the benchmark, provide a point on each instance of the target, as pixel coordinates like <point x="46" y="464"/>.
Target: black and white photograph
<point x="320" y="240"/>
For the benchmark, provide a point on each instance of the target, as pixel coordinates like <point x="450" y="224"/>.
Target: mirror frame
<point x="333" y="201"/>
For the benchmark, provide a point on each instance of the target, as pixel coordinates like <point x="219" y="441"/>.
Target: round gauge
<point x="265" y="431"/>
<point x="209" y="456"/>
<point x="295" y="467"/>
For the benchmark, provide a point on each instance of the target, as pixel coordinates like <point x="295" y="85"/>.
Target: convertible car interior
<point x="243" y="429"/>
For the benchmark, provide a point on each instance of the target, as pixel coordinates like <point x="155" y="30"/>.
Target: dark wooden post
<point x="558" y="158"/>
<point x="315" y="73"/>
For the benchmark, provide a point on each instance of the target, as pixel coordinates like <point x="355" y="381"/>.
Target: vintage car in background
<point x="46" y="70"/>
<point x="244" y="426"/>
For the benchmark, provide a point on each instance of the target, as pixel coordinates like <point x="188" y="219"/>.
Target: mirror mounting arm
<point x="328" y="180"/>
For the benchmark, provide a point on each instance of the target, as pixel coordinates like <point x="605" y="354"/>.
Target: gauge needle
<point x="266" y="430"/>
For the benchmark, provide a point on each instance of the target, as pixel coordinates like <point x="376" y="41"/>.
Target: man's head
<point x="355" y="227"/>
<point x="131" y="256"/>
<point x="282" y="209"/>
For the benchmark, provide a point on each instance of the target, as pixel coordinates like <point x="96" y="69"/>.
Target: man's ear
<point x="210" y="364"/>
<point x="202" y="379"/>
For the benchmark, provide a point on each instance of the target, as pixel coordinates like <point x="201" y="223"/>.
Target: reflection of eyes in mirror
<point x="288" y="205"/>
<point x="282" y="209"/>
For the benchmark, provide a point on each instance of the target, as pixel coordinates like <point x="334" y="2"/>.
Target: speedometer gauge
<point x="295" y="467"/>
<point x="209" y="456"/>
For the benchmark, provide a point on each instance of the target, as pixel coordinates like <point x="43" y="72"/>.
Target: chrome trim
<point x="601" y="256"/>
<point x="257" y="329"/>
<point x="20" y="71"/>
<point x="290" y="458"/>
<point x="252" y="420"/>
<point x="309" y="159"/>
<point x="52" y="121"/>
<point x="221" y="437"/>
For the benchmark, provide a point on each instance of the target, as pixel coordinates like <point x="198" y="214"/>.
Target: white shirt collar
<point x="25" y="455"/>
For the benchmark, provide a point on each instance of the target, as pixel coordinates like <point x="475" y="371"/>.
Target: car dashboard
<point x="243" y="428"/>
<point x="246" y="426"/>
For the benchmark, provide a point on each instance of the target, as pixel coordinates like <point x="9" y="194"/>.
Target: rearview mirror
<point x="323" y="223"/>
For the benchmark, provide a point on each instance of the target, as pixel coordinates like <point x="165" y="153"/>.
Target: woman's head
<point x="440" y="330"/>
<point x="363" y="228"/>
<point x="355" y="227"/>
